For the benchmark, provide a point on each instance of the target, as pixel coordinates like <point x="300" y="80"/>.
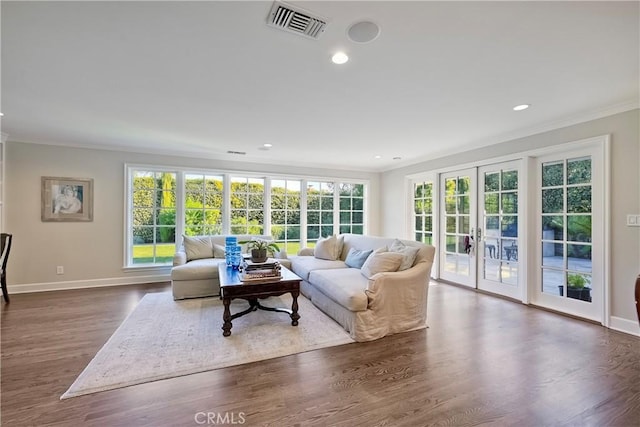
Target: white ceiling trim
<point x="557" y="124"/>
<point x="523" y="133"/>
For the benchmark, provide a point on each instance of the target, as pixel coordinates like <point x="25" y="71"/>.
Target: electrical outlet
<point x="59" y="269"/>
<point x="633" y="220"/>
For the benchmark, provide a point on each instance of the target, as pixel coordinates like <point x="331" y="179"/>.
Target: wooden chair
<point x="5" y="247"/>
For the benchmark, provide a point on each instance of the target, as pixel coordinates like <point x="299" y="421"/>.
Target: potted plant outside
<point x="577" y="287"/>
<point x="259" y="249"/>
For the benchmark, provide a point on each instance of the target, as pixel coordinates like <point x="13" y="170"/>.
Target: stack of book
<point x="260" y="271"/>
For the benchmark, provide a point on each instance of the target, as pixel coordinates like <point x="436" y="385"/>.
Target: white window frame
<point x="181" y="171"/>
<point x="128" y="213"/>
<point x="285" y="209"/>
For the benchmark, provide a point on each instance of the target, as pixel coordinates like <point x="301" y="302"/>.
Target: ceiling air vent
<point x="296" y="20"/>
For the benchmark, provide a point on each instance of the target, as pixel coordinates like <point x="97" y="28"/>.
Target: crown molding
<point x="485" y="142"/>
<point x="575" y="119"/>
<point x="200" y="154"/>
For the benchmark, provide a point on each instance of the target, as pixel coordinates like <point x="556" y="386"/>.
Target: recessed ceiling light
<point x="1" y="114"/>
<point x="378" y="157"/>
<point x="340" y="58"/>
<point x="521" y="107"/>
<point x="268" y="145"/>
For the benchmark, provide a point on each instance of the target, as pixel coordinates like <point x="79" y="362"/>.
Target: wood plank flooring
<point x="482" y="361"/>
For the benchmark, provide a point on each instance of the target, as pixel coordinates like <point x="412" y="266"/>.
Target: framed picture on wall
<point x="67" y="199"/>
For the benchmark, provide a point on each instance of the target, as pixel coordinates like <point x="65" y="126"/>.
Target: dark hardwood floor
<point x="483" y="361"/>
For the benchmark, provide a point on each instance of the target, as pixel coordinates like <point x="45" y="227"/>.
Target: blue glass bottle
<point x="236" y="259"/>
<point x="230" y="243"/>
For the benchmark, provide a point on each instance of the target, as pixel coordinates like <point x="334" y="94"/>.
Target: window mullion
<point x="180" y="207"/>
<point x="226" y="204"/>
<point x="129" y="217"/>
<point x="303" y="212"/>
<point x="266" y="223"/>
<point x="336" y="207"/>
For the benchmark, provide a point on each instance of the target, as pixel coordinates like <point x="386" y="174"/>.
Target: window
<point x="351" y="208"/>
<point x="285" y="214"/>
<point x="423" y="211"/>
<point x="247" y="205"/>
<point x="319" y="211"/>
<point x="153" y="217"/>
<point x="203" y="204"/>
<point x="163" y="204"/>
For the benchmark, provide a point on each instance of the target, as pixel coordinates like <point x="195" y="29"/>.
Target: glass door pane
<point x="566" y="228"/>
<point x="457" y="217"/>
<point x="570" y="239"/>
<point x="498" y="210"/>
<point x="423" y="211"/>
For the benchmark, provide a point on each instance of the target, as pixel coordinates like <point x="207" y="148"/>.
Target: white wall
<point x="92" y="252"/>
<point x="625" y="192"/>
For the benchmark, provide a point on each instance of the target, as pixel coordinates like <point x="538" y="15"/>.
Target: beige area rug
<point x="163" y="338"/>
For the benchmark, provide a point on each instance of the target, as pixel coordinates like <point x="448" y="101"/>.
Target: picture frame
<point x="66" y="199"/>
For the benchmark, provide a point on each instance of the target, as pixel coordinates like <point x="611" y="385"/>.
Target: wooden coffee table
<point x="232" y="287"/>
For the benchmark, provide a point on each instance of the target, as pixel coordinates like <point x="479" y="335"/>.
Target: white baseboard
<point x="84" y="284"/>
<point x="624" y="325"/>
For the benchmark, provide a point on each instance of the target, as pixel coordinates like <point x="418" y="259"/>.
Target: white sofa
<point x="195" y="267"/>
<point x="368" y="308"/>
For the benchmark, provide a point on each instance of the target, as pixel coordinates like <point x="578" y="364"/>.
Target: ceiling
<point x="202" y="78"/>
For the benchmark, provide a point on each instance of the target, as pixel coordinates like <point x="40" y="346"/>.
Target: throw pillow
<point x="381" y="262"/>
<point x="218" y="251"/>
<point x="328" y="248"/>
<point x="408" y="254"/>
<point x="355" y="257"/>
<point x="197" y="247"/>
<point x="339" y="246"/>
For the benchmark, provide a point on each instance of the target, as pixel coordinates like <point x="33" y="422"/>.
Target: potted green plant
<point x="577" y="287"/>
<point x="259" y="248"/>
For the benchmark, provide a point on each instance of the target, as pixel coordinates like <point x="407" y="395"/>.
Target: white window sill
<point x="148" y="267"/>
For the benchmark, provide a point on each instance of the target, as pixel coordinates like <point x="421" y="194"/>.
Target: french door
<point x="534" y="229"/>
<point x="500" y="248"/>
<point x="479" y="228"/>
<point x="457" y="227"/>
<point x="570" y="233"/>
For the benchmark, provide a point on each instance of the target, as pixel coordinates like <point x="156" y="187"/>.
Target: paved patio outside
<point x="552" y="268"/>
